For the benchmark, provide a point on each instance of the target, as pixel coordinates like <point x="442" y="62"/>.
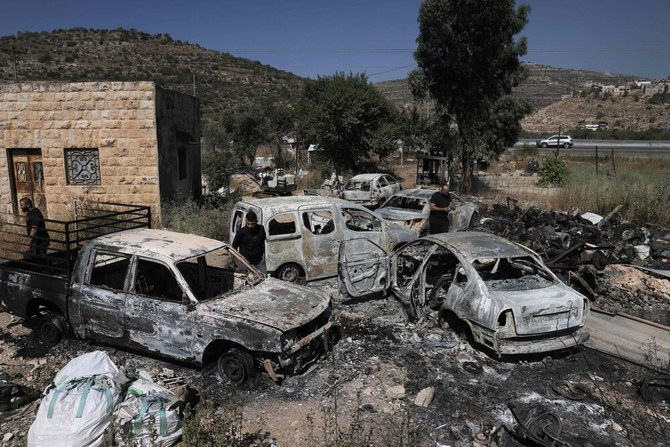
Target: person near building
<point x="440" y="206"/>
<point x="250" y="242"/>
<point x="38" y="236"/>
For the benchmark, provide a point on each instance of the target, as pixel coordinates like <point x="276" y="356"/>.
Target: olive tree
<point x="469" y="58"/>
<point x="347" y="118"/>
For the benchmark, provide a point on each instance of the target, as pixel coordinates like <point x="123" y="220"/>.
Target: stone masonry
<point x="119" y="119"/>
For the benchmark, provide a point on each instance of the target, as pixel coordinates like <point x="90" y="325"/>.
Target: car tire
<point x="237" y="365"/>
<point x="52" y="328"/>
<point x="289" y="272"/>
<point x="543" y="145"/>
<point x="566" y="145"/>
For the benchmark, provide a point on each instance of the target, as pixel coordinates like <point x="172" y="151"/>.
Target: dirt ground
<point x="391" y="382"/>
<point x="364" y="392"/>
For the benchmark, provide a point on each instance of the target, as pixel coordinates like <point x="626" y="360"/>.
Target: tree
<point x="219" y="160"/>
<point x="470" y="62"/>
<point x="231" y="142"/>
<point x="248" y="126"/>
<point x="348" y="118"/>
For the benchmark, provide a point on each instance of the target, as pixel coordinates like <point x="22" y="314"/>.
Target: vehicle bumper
<point x="302" y="353"/>
<point x="531" y="344"/>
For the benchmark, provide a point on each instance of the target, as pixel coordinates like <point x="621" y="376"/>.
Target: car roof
<point x="289" y="203"/>
<point x="476" y="245"/>
<point x="366" y="177"/>
<point x="420" y="193"/>
<point x="159" y="243"/>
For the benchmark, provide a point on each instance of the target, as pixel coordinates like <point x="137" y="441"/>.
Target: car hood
<point x="538" y="311"/>
<point x="398" y="214"/>
<point x="279" y="304"/>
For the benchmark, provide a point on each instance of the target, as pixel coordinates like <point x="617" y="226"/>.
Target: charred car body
<point x="411" y="208"/>
<point x="304" y="233"/>
<point x="510" y="302"/>
<point x="370" y="190"/>
<point x="178" y="296"/>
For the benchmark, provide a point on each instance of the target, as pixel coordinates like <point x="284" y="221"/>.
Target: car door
<point x="98" y="302"/>
<point x="360" y="222"/>
<point x="284" y="240"/>
<point x="160" y="314"/>
<point x="321" y="237"/>
<point x="363" y="267"/>
<point x="459" y="217"/>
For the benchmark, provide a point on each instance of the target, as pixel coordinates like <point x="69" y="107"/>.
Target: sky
<point x="313" y="38"/>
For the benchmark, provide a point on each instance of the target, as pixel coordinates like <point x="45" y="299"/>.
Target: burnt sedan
<point x="500" y="291"/>
<point x="410" y="208"/>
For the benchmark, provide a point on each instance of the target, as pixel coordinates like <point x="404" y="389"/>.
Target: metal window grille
<point x="21" y="172"/>
<point x="83" y="166"/>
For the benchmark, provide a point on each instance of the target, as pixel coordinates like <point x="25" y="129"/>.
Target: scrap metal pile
<point x="569" y="240"/>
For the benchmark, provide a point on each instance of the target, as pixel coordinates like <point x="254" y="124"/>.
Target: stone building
<point x="123" y="142"/>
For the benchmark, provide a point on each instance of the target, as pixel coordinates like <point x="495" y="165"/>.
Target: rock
<point x="424" y="397"/>
<point x="7" y="437"/>
<point x="395" y="392"/>
<point x="616" y="427"/>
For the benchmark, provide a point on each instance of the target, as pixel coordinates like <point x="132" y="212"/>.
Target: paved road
<point x="605" y="147"/>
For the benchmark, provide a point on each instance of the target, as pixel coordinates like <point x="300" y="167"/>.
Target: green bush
<point x="209" y="219"/>
<point x="527" y="150"/>
<point x="554" y="172"/>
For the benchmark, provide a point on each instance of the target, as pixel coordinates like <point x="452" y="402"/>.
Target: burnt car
<point x="411" y="208"/>
<point x="370" y="190"/>
<point x="499" y="291"/>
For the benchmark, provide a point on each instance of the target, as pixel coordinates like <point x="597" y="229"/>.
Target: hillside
<point x="220" y="79"/>
<point x="82" y="54"/>
<point x="545" y="85"/>
<point x="545" y="88"/>
<point x="625" y="113"/>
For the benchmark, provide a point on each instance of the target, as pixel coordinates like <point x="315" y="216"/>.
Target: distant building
<point x="123" y="142"/>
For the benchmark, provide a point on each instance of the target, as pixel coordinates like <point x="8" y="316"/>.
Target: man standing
<point x="250" y="241"/>
<point x="440" y="205"/>
<point x="38" y="237"/>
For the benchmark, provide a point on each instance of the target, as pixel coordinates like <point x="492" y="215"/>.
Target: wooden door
<point x="28" y="173"/>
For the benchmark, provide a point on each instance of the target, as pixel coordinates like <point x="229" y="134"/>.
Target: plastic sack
<point x="76" y="409"/>
<point x="149" y="415"/>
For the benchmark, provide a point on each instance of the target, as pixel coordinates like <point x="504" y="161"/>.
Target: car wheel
<point x="543" y="145"/>
<point x="237" y="365"/>
<point x="289" y="272"/>
<point x="52" y="328"/>
<point x="566" y="145"/>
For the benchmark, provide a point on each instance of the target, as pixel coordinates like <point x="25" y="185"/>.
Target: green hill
<point x="81" y="54"/>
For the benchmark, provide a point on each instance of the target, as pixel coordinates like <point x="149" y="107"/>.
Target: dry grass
<point x="640" y="185"/>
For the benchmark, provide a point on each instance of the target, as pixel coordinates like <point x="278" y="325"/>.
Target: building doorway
<point x="27" y="175"/>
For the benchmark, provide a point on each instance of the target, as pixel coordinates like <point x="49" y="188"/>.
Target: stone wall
<point x="117" y="118"/>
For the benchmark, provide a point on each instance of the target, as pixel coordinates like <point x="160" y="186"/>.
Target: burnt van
<point x="304" y="233"/>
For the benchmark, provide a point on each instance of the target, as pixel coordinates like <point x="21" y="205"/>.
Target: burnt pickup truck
<point x="174" y="295"/>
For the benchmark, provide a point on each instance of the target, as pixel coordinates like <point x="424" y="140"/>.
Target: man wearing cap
<point x="440" y="205"/>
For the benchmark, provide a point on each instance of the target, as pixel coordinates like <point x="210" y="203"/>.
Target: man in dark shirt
<point x="440" y="205"/>
<point x="38" y="237"/>
<point x="250" y="242"/>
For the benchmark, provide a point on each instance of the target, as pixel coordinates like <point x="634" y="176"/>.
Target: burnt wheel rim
<point x="50" y="333"/>
<point x="233" y="367"/>
<point x="289" y="273"/>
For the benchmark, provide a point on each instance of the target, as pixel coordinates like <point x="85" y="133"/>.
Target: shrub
<point x="554" y="172"/>
<point x="527" y="150"/>
<point x="209" y="219"/>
